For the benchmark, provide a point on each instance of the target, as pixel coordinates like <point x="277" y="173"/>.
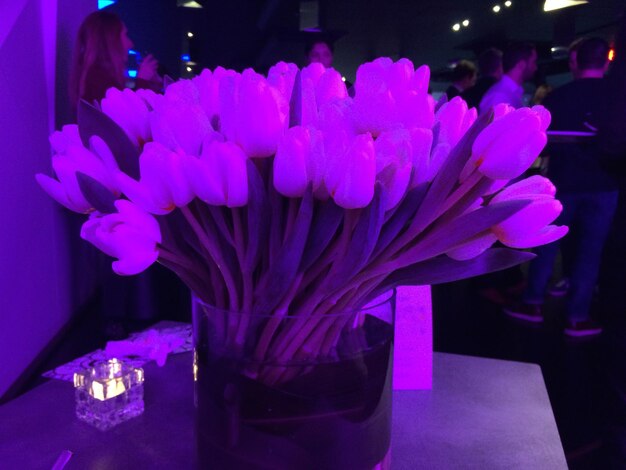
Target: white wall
<point x="35" y="287"/>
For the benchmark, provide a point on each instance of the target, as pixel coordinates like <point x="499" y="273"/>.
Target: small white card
<point x="413" y="342"/>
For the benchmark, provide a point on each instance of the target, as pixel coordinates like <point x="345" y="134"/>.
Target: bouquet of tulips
<point x="282" y="195"/>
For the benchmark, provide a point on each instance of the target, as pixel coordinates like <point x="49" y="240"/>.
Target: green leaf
<point x="448" y="175"/>
<point x="326" y="221"/>
<point x="92" y="121"/>
<point x="96" y="194"/>
<point x="446" y="236"/>
<point x="401" y="217"/>
<point x="295" y="102"/>
<point x="225" y="249"/>
<point x="258" y="215"/>
<point x="284" y="267"/>
<point x="444" y="269"/>
<point x="363" y="240"/>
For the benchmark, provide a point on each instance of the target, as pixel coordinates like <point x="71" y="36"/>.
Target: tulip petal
<point x="57" y="191"/>
<point x="546" y="235"/>
<point x="528" y="188"/>
<point x="356" y="186"/>
<point x="290" y="169"/>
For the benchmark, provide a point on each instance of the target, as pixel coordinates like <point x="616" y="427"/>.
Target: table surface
<point x="481" y="413"/>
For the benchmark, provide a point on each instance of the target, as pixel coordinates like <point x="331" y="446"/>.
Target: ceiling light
<point x="496" y="8"/>
<point x="189" y="4"/>
<point x="105" y="3"/>
<point x="188" y="69"/>
<point x="508" y="3"/>
<point x="465" y="23"/>
<point x="551" y="5"/>
<point x="456" y="27"/>
<point x="189" y="34"/>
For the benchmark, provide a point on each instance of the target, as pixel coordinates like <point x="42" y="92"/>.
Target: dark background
<point x="258" y="33"/>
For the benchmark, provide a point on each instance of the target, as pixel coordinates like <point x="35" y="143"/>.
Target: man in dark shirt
<point x="463" y="77"/>
<point x="490" y="69"/>
<point x="587" y="191"/>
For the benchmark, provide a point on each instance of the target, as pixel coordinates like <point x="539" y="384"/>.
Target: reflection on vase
<point x="297" y="393"/>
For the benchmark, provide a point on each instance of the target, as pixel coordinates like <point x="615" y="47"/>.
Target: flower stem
<point x="210" y="246"/>
<point x="246" y="274"/>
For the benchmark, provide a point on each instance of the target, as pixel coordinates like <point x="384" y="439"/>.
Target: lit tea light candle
<point x="109" y="393"/>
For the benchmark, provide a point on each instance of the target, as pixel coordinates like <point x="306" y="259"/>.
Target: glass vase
<point x="294" y="392"/>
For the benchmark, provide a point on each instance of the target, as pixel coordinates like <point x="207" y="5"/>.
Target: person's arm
<point x="147" y="75"/>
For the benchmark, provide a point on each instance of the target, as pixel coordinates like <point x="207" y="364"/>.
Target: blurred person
<point x="519" y="63"/>
<point x="561" y="286"/>
<point x="571" y="54"/>
<point x="463" y="77"/>
<point x="99" y="63"/>
<point x="322" y="52"/>
<point x="612" y="140"/>
<point x="100" y="57"/>
<point x="490" y="70"/>
<point x="612" y="292"/>
<point x="319" y="51"/>
<point x="587" y="191"/>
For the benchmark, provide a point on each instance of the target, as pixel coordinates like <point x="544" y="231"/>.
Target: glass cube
<point x="108" y="393"/>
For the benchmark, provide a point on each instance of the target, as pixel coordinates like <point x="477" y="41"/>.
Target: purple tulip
<point x="530" y="226"/>
<point x="71" y="156"/>
<point x="131" y="112"/>
<point x="163" y="185"/>
<point x="508" y="146"/>
<point x="394" y="156"/>
<point x="391" y="94"/>
<point x="290" y="164"/>
<point x="179" y="121"/>
<point x="350" y="180"/>
<point x="131" y="235"/>
<point x="219" y="177"/>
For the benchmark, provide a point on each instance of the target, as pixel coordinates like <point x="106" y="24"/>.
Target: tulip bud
<point x="421" y="79"/>
<point x="454" y="119"/>
<point x="507" y="146"/>
<point x="130" y="112"/>
<point x="228" y="162"/>
<point x="421" y="144"/>
<point x="502" y="109"/>
<point x="259" y="122"/>
<point x="330" y="87"/>
<point x="282" y="76"/>
<point x="389" y="95"/>
<point x="179" y="122"/>
<point x="352" y="186"/>
<point x="163" y="185"/>
<point x="131" y="235"/>
<point x="72" y="157"/>
<point x="290" y="164"/>
<point x="529" y="227"/>
<point x="394" y="156"/>
<point x="313" y="72"/>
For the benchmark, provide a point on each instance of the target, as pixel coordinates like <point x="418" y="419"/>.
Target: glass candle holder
<point x="108" y="393"/>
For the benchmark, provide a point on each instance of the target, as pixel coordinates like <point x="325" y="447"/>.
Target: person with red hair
<point x="100" y="57"/>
